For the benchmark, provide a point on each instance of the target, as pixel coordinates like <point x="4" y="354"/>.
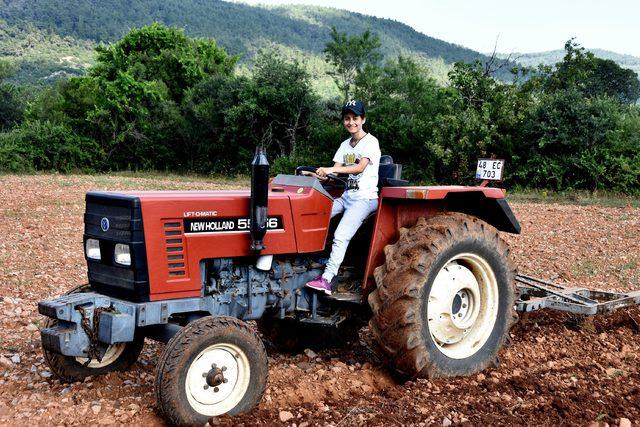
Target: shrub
<point x="47" y="147"/>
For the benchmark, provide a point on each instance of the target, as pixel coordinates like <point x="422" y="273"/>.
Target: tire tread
<point x="396" y="323"/>
<point x="173" y="358"/>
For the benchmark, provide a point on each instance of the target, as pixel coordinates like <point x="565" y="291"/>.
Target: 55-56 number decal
<point x="226" y="225"/>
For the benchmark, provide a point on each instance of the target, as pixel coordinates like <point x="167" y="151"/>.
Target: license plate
<point x="490" y="169"/>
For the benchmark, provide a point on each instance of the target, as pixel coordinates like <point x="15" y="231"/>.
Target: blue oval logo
<point x="104" y="224"/>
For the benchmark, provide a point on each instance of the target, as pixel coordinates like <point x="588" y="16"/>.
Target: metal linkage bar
<point x="536" y="294"/>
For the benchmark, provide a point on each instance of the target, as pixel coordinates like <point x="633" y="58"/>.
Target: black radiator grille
<point x="114" y="218"/>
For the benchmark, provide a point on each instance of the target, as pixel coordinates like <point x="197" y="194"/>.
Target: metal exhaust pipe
<point x="259" y="198"/>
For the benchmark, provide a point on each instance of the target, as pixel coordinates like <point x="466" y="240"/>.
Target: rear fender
<point x="496" y="212"/>
<point x="402" y="206"/>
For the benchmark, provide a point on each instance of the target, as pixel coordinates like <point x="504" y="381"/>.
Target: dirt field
<point x="558" y="369"/>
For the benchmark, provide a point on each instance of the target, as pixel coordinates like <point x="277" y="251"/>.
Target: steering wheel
<point x="332" y="177"/>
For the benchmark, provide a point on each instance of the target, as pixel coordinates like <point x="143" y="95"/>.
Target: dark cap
<point x="353" y="106"/>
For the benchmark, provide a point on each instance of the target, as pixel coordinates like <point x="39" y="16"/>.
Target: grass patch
<point x="12" y="213"/>
<point x="578" y="197"/>
<point x="186" y="177"/>
<point x="584" y="268"/>
<point x="129" y="180"/>
<point x="629" y="272"/>
<point x="168" y="181"/>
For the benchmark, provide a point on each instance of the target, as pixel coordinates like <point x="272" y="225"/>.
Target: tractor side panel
<point x="312" y="213"/>
<point x="174" y="254"/>
<point x="311" y="209"/>
<point x="174" y="251"/>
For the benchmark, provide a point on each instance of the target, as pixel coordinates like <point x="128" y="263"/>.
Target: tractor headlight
<point x="122" y="254"/>
<point x="92" y="249"/>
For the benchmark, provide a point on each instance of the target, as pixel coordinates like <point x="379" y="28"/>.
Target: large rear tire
<point x="213" y="366"/>
<point x="444" y="301"/>
<point x="116" y="357"/>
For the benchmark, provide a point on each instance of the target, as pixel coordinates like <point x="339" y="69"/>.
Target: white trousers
<point x="355" y="212"/>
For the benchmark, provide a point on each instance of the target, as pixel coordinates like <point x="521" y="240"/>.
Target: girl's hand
<point x="307" y="173"/>
<point x="323" y="172"/>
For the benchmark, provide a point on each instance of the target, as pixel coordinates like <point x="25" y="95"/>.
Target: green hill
<point x="552" y="57"/>
<point x="42" y="55"/>
<point x="49" y="38"/>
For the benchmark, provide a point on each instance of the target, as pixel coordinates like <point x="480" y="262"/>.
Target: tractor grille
<point x="174" y="244"/>
<point x="113" y="218"/>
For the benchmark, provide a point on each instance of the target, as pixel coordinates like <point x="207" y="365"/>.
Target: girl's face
<point x="352" y="123"/>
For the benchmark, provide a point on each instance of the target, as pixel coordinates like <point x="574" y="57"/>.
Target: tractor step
<point x="536" y="294"/>
<point x="332" y="321"/>
<point x="345" y="297"/>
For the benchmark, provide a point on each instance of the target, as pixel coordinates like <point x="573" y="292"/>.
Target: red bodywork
<point x="401" y="207"/>
<point x="174" y="257"/>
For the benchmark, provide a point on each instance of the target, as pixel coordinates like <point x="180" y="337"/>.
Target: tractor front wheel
<point x="213" y="366"/>
<point x="444" y="301"/>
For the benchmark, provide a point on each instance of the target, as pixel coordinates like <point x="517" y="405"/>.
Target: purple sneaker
<point x="320" y="284"/>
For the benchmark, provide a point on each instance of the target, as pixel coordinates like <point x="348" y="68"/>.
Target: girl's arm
<point x="323" y="177"/>
<point x="338" y="168"/>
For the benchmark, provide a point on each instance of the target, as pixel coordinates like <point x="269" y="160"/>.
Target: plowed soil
<point x="559" y="368"/>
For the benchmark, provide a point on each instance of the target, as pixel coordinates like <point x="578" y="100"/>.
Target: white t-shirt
<point x="367" y="180"/>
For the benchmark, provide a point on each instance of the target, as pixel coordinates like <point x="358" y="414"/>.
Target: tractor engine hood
<point x="183" y="228"/>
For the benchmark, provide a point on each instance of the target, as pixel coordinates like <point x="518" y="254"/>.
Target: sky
<point x="516" y="26"/>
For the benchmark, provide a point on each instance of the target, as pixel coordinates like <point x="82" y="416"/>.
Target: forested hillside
<point x="31" y="31"/>
<point x="552" y="57"/>
<point x="41" y="55"/>
<point x="235" y="26"/>
<point x="158" y="99"/>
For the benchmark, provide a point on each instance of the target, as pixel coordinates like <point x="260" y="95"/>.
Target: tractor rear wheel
<point x="213" y="366"/>
<point x="116" y="357"/>
<point x="444" y="301"/>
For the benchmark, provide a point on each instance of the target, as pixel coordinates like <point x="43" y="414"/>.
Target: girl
<point x="358" y="156"/>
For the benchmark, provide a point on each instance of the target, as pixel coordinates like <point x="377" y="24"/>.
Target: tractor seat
<point x="389" y="173"/>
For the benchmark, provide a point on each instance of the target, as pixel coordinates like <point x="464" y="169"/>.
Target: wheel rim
<point x="217" y="379"/>
<point x="114" y="351"/>
<point x="462" y="306"/>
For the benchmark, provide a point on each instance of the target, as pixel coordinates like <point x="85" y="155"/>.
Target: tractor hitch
<point x="536" y="294"/>
<point x="84" y="320"/>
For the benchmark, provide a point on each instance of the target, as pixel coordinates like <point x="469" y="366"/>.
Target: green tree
<point x="481" y="118"/>
<point x="129" y="103"/>
<point x="592" y="76"/>
<point x="46" y="146"/>
<point x="350" y="55"/>
<point x="571" y="141"/>
<point x="403" y="101"/>
<point x="11" y="107"/>
<point x="210" y="143"/>
<point x="275" y="107"/>
<point x="623" y="161"/>
<point x="164" y="55"/>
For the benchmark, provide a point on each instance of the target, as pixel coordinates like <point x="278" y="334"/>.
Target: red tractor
<point x="428" y="270"/>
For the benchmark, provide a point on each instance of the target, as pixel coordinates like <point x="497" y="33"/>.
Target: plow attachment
<point x="536" y="294"/>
